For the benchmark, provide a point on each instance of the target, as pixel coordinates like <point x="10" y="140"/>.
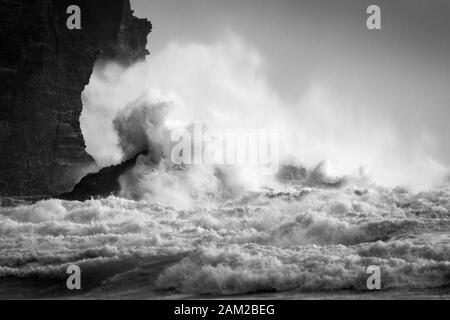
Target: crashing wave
<point x="263" y="241"/>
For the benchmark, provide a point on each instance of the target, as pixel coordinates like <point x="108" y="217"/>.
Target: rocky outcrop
<point x="101" y="184"/>
<point x="44" y="68"/>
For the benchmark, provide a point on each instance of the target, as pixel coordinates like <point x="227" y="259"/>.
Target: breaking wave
<point x="301" y="239"/>
<point x="226" y="230"/>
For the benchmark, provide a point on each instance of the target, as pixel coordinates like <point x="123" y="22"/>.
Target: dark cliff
<point x="44" y="68"/>
<point x="103" y="183"/>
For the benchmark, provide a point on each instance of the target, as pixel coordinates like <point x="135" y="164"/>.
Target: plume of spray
<point x="224" y="85"/>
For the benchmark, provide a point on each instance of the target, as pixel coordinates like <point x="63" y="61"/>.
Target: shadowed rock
<point x="101" y="184"/>
<point x="44" y="68"/>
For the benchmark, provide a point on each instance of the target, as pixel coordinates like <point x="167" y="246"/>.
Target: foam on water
<point x="302" y="239"/>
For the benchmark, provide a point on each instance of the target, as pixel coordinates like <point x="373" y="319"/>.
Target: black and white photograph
<point x="218" y="150"/>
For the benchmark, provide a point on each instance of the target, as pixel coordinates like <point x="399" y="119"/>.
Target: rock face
<point x="44" y="68"/>
<point x="101" y="184"/>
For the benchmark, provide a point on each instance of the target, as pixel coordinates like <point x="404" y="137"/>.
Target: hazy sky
<point x="400" y="73"/>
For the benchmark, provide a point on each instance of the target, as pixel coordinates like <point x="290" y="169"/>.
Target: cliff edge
<point x="44" y="68"/>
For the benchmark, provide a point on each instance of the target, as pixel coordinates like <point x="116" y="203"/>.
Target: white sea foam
<point x="211" y="229"/>
<point x="318" y="239"/>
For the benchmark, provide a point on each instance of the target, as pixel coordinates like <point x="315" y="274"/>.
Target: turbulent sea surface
<point x="296" y="242"/>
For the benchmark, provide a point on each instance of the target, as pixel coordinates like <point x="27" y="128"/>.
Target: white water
<point x="224" y="86"/>
<point x="192" y="231"/>
<point x="304" y="240"/>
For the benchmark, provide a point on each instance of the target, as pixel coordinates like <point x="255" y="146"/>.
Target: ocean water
<point x="297" y="242"/>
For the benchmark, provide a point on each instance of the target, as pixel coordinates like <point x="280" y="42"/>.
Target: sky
<point x="394" y="79"/>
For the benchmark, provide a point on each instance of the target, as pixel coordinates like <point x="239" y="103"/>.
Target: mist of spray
<point x="224" y="85"/>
